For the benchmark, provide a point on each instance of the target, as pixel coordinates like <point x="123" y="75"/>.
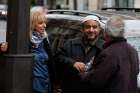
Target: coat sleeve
<point x="63" y="54"/>
<point x="105" y="68"/>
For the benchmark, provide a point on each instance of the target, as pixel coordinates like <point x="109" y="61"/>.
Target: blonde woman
<point x="41" y="53"/>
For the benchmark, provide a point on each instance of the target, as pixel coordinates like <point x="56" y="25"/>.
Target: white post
<point x="137" y="4"/>
<point x="45" y="2"/>
<point x="71" y="5"/>
<point x="92" y="5"/>
<point x="110" y="3"/>
<point x="80" y="4"/>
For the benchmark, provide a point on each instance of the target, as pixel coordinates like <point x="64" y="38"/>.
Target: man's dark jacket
<point x="74" y="50"/>
<point x="115" y="69"/>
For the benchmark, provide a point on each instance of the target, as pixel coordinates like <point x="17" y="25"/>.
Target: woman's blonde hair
<point x="35" y="18"/>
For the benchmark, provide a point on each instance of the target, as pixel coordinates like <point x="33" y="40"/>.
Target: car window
<point x="61" y="30"/>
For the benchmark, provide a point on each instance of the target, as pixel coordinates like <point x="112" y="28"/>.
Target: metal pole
<point x="18" y="61"/>
<point x="75" y="4"/>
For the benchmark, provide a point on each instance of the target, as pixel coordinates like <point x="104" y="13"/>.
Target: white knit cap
<point x="92" y="17"/>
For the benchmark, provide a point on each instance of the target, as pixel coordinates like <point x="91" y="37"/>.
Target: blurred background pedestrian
<point x="3" y="47"/>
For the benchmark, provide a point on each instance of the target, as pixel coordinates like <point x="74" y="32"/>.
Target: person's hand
<point x="79" y="66"/>
<point x="4" y="46"/>
<point x="83" y="75"/>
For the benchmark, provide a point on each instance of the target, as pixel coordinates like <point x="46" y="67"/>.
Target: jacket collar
<point x="99" y="43"/>
<point x="115" y="40"/>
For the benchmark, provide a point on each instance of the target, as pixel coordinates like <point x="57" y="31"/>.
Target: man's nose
<point x="91" y="29"/>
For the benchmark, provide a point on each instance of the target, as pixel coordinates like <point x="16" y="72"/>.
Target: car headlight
<point x="3" y="12"/>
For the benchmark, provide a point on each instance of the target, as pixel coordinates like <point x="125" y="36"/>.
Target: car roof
<point x="62" y="16"/>
<point x="73" y="14"/>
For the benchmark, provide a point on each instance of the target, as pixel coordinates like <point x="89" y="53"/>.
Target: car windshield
<point x="63" y="27"/>
<point x="60" y="30"/>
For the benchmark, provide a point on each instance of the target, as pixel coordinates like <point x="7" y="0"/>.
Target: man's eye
<point x="88" y="26"/>
<point x="94" y="26"/>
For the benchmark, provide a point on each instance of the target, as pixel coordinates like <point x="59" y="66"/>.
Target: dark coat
<point x="74" y="50"/>
<point x="50" y="63"/>
<point x="115" y="69"/>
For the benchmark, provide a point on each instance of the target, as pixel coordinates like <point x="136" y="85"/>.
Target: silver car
<point x="65" y="24"/>
<point x="3" y="11"/>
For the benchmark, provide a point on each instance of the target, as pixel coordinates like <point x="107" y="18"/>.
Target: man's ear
<point x="101" y="30"/>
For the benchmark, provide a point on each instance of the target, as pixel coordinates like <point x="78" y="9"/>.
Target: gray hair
<point x="115" y="26"/>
